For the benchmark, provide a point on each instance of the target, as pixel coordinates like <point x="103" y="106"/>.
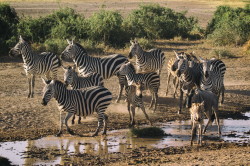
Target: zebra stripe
<point x="42" y="64"/>
<point x="79" y="102"/>
<point x="150" y="81"/>
<point x="105" y="66"/>
<point x="147" y="61"/>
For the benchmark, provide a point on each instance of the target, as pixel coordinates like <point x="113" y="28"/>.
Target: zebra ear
<point x="176" y="54"/>
<point x="136" y="42"/>
<point x="201" y="59"/>
<point x="64" y="68"/>
<point x="202" y="103"/>
<point x="68" y="41"/>
<point x="46" y="82"/>
<point x="131" y="42"/>
<point x="21" y="39"/>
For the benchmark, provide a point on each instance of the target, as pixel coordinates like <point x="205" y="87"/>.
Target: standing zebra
<point x="76" y="82"/>
<point x="213" y="76"/>
<point x="134" y="99"/>
<point x="42" y="64"/>
<point x="79" y="102"/>
<point x="106" y="66"/>
<point x="147" y="61"/>
<point x="150" y="81"/>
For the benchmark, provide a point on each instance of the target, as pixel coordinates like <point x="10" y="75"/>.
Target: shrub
<point x="154" y="22"/>
<point x="229" y="26"/>
<point x="222" y="53"/>
<point x="8" y="27"/>
<point x="106" y="26"/>
<point x="148" y="132"/>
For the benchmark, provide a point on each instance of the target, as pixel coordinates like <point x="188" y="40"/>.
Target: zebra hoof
<point x="59" y="134"/>
<point x="71" y="132"/>
<point x="94" y="135"/>
<point x="179" y="112"/>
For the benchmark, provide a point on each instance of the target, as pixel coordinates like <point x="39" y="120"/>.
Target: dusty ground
<point x="22" y="118"/>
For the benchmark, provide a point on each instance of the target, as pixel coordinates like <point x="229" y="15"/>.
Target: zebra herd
<point x="88" y="93"/>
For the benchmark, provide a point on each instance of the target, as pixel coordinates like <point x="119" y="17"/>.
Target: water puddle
<point x="120" y="141"/>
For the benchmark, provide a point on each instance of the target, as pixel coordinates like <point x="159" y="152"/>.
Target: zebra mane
<point x="57" y="82"/>
<point x="81" y="47"/>
<point x="131" y="66"/>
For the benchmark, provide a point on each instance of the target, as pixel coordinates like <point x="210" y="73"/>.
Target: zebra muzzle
<point x="178" y="73"/>
<point x="44" y="103"/>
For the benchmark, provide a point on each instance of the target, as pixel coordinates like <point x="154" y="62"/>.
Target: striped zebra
<point x="134" y="99"/>
<point x="105" y="66"/>
<point x="207" y="102"/>
<point x="147" y="61"/>
<point x="213" y="76"/>
<point x="150" y="81"/>
<point x="76" y="82"/>
<point x="79" y="102"/>
<point x="42" y="64"/>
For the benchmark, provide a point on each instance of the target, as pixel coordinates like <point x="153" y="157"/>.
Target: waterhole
<point x="49" y="150"/>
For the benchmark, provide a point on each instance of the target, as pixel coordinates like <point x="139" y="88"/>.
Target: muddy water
<point x="120" y="141"/>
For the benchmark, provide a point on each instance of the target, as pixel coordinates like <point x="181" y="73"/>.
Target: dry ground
<point x="22" y="118"/>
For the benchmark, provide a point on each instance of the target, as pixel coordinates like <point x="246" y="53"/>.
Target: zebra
<point x="190" y="74"/>
<point x="213" y="76"/>
<point x="209" y="105"/>
<point x="79" y="102"/>
<point x="150" y="81"/>
<point x="171" y="62"/>
<point x="134" y="99"/>
<point x="106" y="66"/>
<point x="42" y="64"/>
<point x="147" y="61"/>
<point x="76" y="82"/>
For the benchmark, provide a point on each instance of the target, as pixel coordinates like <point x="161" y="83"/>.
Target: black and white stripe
<point x="79" y="102"/>
<point x="147" y="61"/>
<point x="150" y="81"/>
<point x="105" y="66"/>
<point x="43" y="64"/>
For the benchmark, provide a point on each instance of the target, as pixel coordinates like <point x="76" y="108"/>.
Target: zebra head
<point x="69" y="74"/>
<point x="126" y="68"/>
<point x="178" y="57"/>
<point x="182" y="67"/>
<point x="19" y="47"/>
<point x="196" y="111"/>
<point x="48" y="91"/>
<point x="206" y="67"/>
<point x="134" y="49"/>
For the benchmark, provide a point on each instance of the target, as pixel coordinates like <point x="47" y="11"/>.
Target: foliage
<point x="223" y="53"/>
<point x="106" y="26"/>
<point x="64" y="23"/>
<point x="8" y="26"/>
<point x="148" y="132"/>
<point x="229" y="26"/>
<point x="154" y="22"/>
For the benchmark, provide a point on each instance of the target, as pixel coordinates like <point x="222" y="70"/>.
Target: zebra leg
<point x="29" y="82"/>
<point x="121" y="86"/>
<point x="217" y="121"/>
<point x="133" y="117"/>
<point x="146" y="115"/>
<point x="69" y="114"/>
<point x="180" y="102"/>
<point x="73" y="119"/>
<point x="32" y="85"/>
<point x="193" y="133"/>
<point x="168" y="79"/>
<point x="176" y="84"/>
<point x="152" y="100"/>
<point x="209" y="116"/>
<point x="105" y="124"/>
<point x="100" y="123"/>
<point x="156" y="101"/>
<point x="54" y="74"/>
<point x="61" y="125"/>
<point x="129" y="111"/>
<point x="222" y="94"/>
<point x="200" y="134"/>
<point x="79" y="119"/>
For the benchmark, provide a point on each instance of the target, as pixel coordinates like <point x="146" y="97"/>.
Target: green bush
<point x="148" y="132"/>
<point x="63" y="23"/>
<point x="229" y="26"/>
<point x="8" y="27"/>
<point x="106" y="26"/>
<point x="154" y="22"/>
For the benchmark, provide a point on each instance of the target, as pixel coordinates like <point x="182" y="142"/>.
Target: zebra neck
<point x="60" y="93"/>
<point x="140" y="54"/>
<point x="131" y="76"/>
<point x="75" y="81"/>
<point x="27" y="56"/>
<point x="81" y="59"/>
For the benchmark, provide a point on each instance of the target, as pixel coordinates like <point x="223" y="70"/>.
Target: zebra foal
<point x="208" y="104"/>
<point x="42" y="64"/>
<point x="77" y="82"/>
<point x="134" y="99"/>
<point x="107" y="66"/>
<point x="150" y="81"/>
<point x="147" y="61"/>
<point x="79" y="102"/>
